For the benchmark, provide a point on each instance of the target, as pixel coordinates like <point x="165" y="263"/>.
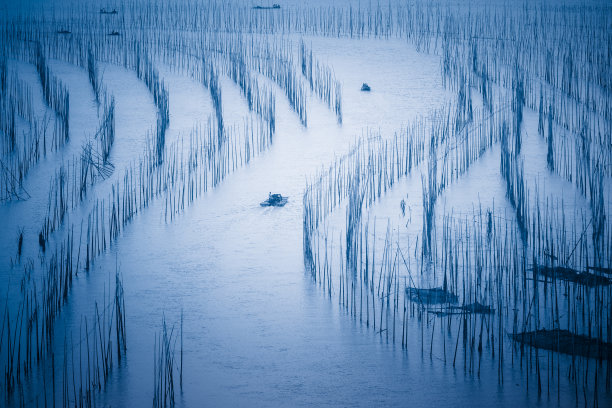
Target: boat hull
<point x="280" y="203"/>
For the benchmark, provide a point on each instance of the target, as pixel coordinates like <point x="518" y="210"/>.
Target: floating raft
<point x="571" y="275"/>
<point x="434" y="296"/>
<point x="607" y="271"/>
<point x="473" y="308"/>
<point x="566" y="342"/>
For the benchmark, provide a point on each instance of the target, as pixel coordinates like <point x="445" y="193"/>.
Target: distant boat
<point x="63" y="32"/>
<point x="275" y="200"/>
<point x="365" y="87"/>
<point x="114" y="33"/>
<point x="273" y="7"/>
<point x="105" y="11"/>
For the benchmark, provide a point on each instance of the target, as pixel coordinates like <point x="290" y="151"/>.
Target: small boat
<point x="273" y="7"/>
<point x="114" y="33"/>
<point x="63" y="32"/>
<point x="105" y="11"/>
<point x="274" y="200"/>
<point x="365" y="87"/>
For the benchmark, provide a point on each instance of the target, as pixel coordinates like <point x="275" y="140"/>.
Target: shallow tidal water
<point x="256" y="330"/>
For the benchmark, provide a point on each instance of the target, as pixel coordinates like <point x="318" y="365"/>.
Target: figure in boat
<point x="275" y="200"/>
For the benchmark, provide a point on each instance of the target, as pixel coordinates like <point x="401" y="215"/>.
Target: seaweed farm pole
<point x="395" y="307"/>
<point x="404" y="317"/>
<point x="432" y="337"/>
<point x="181" y="374"/>
<point x="457" y="344"/>
<point x="53" y="376"/>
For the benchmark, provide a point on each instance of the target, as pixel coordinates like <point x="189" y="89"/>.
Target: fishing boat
<point x="273" y="7"/>
<point x="274" y="200"/>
